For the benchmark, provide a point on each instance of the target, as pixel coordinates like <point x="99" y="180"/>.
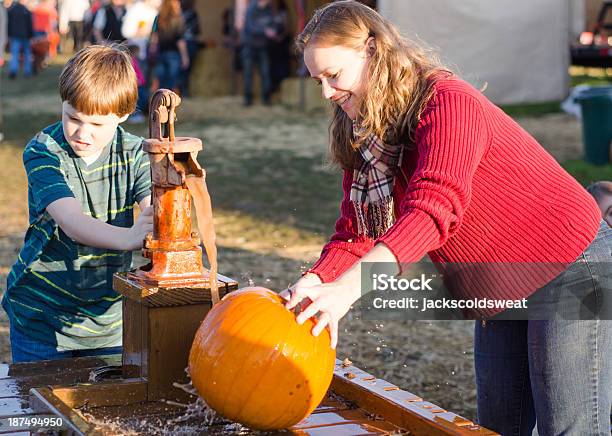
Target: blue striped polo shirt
<point x="59" y="291"/>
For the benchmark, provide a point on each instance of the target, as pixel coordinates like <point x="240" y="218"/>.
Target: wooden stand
<point x="158" y="329"/>
<point x="356" y="404"/>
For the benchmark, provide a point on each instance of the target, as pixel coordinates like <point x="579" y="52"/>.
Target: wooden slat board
<point x="402" y="408"/>
<point x="355" y="405"/>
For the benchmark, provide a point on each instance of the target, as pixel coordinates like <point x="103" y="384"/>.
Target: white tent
<point x="519" y="49"/>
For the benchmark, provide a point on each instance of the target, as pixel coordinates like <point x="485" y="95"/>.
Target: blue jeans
<point x="261" y="56"/>
<point x="19" y="45"/>
<point x="556" y="374"/>
<point x="26" y="349"/>
<point x="168" y="68"/>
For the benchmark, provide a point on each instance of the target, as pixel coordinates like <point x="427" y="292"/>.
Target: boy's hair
<point x="100" y="80"/>
<point x="600" y="189"/>
<point x="133" y="49"/>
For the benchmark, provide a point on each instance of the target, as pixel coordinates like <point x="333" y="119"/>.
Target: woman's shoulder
<point x="455" y="95"/>
<point x="451" y="83"/>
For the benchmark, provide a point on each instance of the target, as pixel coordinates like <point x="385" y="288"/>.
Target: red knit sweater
<point x="476" y="188"/>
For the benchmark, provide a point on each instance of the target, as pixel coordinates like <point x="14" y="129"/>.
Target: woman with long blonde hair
<point x="431" y="166"/>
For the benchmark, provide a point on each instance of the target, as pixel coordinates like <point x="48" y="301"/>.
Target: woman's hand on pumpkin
<point x="308" y="279"/>
<point x="330" y="300"/>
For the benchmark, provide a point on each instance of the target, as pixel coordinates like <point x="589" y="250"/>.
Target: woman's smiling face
<point x="341" y="72"/>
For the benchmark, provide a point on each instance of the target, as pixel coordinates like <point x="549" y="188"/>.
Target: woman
<point x="192" y="42"/>
<point x="432" y="167"/>
<point x="168" y="44"/>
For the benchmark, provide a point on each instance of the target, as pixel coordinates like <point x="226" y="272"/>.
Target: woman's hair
<point x="100" y="80"/>
<point x="599" y="190"/>
<point x="170" y="20"/>
<point x="399" y="76"/>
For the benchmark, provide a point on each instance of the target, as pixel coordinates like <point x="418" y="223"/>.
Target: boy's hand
<point x="142" y="226"/>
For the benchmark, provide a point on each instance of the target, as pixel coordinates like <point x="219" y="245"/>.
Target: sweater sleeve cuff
<point x="332" y="263"/>
<point x="411" y="237"/>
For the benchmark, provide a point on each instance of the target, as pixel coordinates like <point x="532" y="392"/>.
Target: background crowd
<point x="163" y="36"/>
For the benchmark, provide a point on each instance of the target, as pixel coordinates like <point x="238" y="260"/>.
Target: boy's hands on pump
<point x="87" y="230"/>
<point x="142" y="226"/>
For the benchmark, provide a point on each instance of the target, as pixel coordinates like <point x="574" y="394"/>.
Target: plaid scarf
<point x="372" y="188"/>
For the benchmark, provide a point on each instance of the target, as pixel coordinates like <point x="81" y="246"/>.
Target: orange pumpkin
<point x="254" y="364"/>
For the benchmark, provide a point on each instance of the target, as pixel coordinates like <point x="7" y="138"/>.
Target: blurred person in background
<point x="138" y="24"/>
<point x="231" y="41"/>
<point x="71" y="21"/>
<point x="142" y="104"/>
<point x="108" y="21"/>
<point x="44" y="25"/>
<point x="137" y="27"/>
<point x="3" y="33"/>
<point x="257" y="33"/>
<point x="3" y="40"/>
<point x="280" y="51"/>
<point x="88" y="22"/>
<point x="20" y="33"/>
<point x="191" y="36"/>
<point x="168" y="44"/>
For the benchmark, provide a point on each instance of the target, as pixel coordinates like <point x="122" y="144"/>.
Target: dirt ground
<point x="276" y="202"/>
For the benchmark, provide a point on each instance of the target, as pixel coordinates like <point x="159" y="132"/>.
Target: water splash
<point x="182" y="419"/>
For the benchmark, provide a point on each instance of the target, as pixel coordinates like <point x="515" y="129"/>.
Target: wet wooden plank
<point x="171" y="331"/>
<point x="137" y="410"/>
<point x="330" y="404"/>
<point x="346" y="429"/>
<point x="45" y="399"/>
<point x="135" y="339"/>
<point x="115" y="393"/>
<point x="59" y="366"/>
<point x="355" y="416"/>
<point x="399" y="407"/>
<point x="370" y="420"/>
<point x="358" y="403"/>
<point x="15" y="387"/>
<point x="15" y="406"/>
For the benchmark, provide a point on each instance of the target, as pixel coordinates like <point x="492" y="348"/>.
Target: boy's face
<point x="88" y="134"/>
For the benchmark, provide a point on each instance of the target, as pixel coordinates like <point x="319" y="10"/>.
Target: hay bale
<point x="211" y="73"/>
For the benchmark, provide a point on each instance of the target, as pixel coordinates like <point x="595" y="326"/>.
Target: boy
<point x="85" y="173"/>
<point x="602" y="192"/>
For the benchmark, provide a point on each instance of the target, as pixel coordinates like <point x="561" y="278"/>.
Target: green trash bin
<point x="596" y="106"/>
